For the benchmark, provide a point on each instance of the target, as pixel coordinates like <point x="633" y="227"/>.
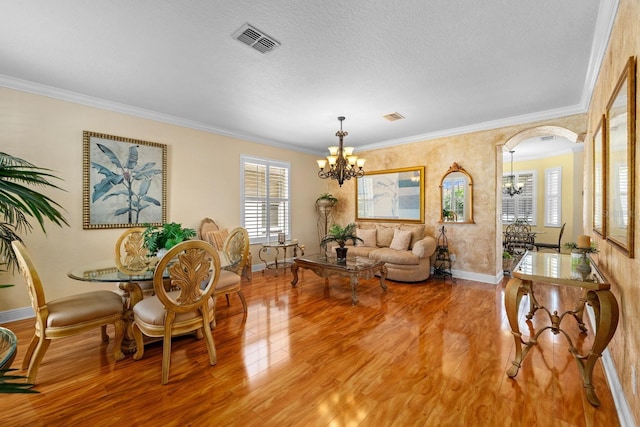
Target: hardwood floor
<point x="428" y="354"/>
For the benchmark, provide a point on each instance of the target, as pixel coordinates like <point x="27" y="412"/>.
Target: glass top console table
<point x="564" y="270"/>
<point x="275" y="247"/>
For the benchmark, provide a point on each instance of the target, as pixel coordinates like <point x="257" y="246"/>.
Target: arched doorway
<point x="541" y="142"/>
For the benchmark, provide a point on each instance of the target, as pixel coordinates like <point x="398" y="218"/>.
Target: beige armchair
<point x="66" y="316"/>
<point x="210" y="232"/>
<point x="194" y="269"/>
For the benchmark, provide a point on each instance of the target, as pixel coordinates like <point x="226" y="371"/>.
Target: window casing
<point x="265" y="201"/>
<point x="553" y="197"/>
<point x="521" y="206"/>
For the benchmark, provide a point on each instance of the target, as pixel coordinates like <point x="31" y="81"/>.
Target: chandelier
<point x="343" y="165"/>
<point x="511" y="187"/>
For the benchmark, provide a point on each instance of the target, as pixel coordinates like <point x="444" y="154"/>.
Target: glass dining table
<point x="132" y="286"/>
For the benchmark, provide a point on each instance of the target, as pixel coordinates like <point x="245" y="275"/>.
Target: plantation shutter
<point x="265" y="198"/>
<point x="521" y="206"/>
<point x="553" y="197"/>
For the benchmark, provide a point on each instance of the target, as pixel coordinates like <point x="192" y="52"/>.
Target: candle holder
<point x="584" y="267"/>
<point x="281" y="238"/>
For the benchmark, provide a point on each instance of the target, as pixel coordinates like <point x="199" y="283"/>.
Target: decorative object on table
<point x="511" y="187"/>
<point x="66" y="316"/>
<point x="391" y="195"/>
<point x="507" y="262"/>
<point x="579" y="261"/>
<point x="19" y="204"/>
<point x="343" y="165"/>
<point x="160" y="239"/>
<point x="324" y="205"/>
<point x="341" y="235"/>
<point x="456" y="195"/>
<point x="443" y="261"/>
<point x="282" y="238"/>
<point x="124" y="182"/>
<point x="621" y="159"/>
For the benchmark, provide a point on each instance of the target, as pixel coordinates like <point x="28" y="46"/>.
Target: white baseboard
<point x="619" y="399"/>
<point x="16" y="314"/>
<point x="476" y="277"/>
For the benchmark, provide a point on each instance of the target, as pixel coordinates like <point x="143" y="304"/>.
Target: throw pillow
<point x="385" y="235"/>
<point x="401" y="240"/>
<point x="417" y="233"/>
<point x="216" y="238"/>
<point x="368" y="235"/>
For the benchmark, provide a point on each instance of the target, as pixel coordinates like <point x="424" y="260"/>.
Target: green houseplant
<point x="158" y="238"/>
<point x="327" y="198"/>
<point x="20" y="204"/>
<point x="341" y="235"/>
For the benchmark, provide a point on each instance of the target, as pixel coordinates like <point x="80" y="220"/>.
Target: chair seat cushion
<point x="227" y="280"/>
<point x="151" y="311"/>
<point x="85" y="307"/>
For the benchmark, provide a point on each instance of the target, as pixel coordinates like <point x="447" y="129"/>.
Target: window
<point x="521" y="206"/>
<point x="553" y="197"/>
<point x="265" y="198"/>
<point x="619" y="212"/>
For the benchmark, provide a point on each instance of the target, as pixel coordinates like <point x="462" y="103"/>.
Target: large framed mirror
<point x="620" y="161"/>
<point x="456" y="196"/>
<point x="599" y="167"/>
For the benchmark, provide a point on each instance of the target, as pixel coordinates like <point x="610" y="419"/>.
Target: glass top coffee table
<point x="354" y="268"/>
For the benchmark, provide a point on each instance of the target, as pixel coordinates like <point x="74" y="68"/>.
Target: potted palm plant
<point x="19" y="205"/>
<point x="341" y="235"/>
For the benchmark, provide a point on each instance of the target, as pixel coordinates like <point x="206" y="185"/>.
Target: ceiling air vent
<point x="393" y="117"/>
<point x="547" y="138"/>
<point x="255" y="38"/>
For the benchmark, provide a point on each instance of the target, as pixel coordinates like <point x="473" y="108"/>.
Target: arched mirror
<point x="456" y="196"/>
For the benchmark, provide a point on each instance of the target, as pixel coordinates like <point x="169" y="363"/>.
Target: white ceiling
<point x="448" y="66"/>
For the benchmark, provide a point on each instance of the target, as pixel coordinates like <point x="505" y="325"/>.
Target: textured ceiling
<point x="447" y="65"/>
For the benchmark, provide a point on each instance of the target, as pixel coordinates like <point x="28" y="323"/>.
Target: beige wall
<point x="623" y="271"/>
<point x="203" y="180"/>
<point x="478" y="247"/>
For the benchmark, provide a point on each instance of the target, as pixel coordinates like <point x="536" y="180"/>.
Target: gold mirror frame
<point x="620" y="161"/>
<point x="468" y="197"/>
<point x="599" y="168"/>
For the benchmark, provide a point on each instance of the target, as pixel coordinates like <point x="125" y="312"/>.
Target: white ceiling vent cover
<point x="393" y="116"/>
<point x="255" y="38"/>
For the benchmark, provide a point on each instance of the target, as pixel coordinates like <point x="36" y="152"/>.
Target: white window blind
<point x="521" y="206"/>
<point x="265" y="198"/>
<point x="553" y="197"/>
<point x="620" y="214"/>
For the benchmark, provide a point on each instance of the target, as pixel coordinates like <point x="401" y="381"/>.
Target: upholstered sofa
<point x="405" y="249"/>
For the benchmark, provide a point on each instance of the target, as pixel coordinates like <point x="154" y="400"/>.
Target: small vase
<point x="341" y="254"/>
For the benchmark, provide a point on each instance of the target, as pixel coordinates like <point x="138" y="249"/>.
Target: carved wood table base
<point x="598" y="296"/>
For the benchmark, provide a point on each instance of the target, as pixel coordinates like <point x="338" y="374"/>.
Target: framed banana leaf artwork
<point x="124" y="182"/>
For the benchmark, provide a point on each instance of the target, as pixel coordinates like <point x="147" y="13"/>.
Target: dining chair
<point x="553" y="246"/>
<point x="236" y="249"/>
<point x="66" y="316"/>
<point x="194" y="270"/>
<point x="131" y="255"/>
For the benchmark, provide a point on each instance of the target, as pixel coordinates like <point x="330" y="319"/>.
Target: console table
<point x="561" y="269"/>
<point x="275" y="264"/>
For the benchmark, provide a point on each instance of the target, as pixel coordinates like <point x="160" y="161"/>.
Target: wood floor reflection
<point x="428" y="354"/>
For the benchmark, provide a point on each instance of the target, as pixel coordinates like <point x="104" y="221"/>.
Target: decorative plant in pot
<point x="326" y="199"/>
<point x="158" y="240"/>
<point x="341" y="235"/>
<point x="19" y="205"/>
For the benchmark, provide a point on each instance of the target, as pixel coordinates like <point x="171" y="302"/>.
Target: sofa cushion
<point x="368" y="235"/>
<point x="401" y="240"/>
<point x="417" y="232"/>
<point x="363" y="251"/>
<point x="393" y="256"/>
<point x="384" y="235"/>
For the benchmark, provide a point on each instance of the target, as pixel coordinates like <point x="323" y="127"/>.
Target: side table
<point x="290" y="245"/>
